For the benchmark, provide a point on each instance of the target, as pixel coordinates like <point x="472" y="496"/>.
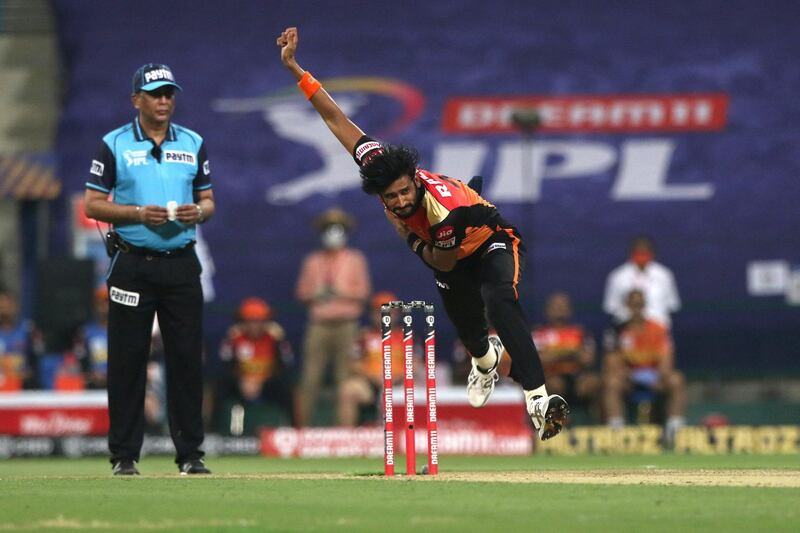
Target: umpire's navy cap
<point x="151" y="76"/>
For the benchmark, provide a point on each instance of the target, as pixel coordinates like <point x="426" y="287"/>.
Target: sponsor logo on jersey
<point x="449" y="243"/>
<point x="206" y="168"/>
<point x="176" y="156"/>
<point x="131" y="299"/>
<point x="444" y="232"/>
<point x="135" y="157"/>
<point x="97" y="168"/>
<point x="496" y="246"/>
<point x="442" y="285"/>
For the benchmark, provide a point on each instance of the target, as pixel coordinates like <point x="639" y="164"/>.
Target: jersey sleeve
<point x="365" y="149"/>
<point x="202" y="180"/>
<point x="448" y="234"/>
<point x="103" y="172"/>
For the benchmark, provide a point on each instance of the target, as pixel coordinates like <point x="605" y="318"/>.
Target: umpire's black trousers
<point x="141" y="286"/>
<point x="485" y="285"/>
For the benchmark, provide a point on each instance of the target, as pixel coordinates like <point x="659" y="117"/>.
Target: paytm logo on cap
<point x="153" y="75"/>
<point x="158" y="74"/>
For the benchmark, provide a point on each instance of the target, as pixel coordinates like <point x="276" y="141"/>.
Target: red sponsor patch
<point x="444" y="232"/>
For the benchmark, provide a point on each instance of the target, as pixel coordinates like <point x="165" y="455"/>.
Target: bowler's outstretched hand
<point x="287" y="41"/>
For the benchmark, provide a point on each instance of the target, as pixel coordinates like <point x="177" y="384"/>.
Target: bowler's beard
<point x="406" y="212"/>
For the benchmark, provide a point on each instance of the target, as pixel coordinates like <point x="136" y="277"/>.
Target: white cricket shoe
<point x="480" y="384"/>
<point x="548" y="415"/>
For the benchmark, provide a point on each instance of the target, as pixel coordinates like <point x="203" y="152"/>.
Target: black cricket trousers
<point x="141" y="286"/>
<point x="484" y="285"/>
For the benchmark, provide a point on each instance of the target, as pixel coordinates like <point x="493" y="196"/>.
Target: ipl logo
<point x="135" y="157"/>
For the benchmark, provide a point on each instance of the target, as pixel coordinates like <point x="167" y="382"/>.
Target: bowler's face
<point x="400" y="197"/>
<point x="155" y="106"/>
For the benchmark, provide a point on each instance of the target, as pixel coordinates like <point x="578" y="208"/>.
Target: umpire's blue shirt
<point x="138" y="173"/>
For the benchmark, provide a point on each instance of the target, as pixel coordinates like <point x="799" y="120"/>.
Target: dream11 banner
<point x="591" y="123"/>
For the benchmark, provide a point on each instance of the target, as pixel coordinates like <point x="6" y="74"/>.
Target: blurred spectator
<point x="363" y="389"/>
<point x="568" y="355"/>
<point x="91" y="344"/>
<point x="640" y="358"/>
<point x="642" y="272"/>
<point x="334" y="283"/>
<point x="69" y="375"/>
<point x="258" y="359"/>
<point x="20" y="346"/>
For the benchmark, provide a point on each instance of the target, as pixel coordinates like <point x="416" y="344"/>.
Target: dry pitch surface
<point x="648" y="476"/>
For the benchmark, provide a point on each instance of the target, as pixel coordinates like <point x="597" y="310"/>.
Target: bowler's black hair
<point x="384" y="168"/>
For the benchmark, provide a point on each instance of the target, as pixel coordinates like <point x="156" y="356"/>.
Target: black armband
<point x="416" y="244"/>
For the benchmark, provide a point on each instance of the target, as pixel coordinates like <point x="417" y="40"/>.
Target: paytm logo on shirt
<point x="175" y="156"/>
<point x="135" y="157"/>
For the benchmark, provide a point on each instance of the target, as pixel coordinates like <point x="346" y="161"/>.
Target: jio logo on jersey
<point x="444" y="232"/>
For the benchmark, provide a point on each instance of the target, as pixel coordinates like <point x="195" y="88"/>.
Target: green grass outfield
<point x="259" y="494"/>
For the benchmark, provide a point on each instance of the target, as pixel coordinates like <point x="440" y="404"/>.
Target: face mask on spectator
<point x="641" y="258"/>
<point x="333" y="237"/>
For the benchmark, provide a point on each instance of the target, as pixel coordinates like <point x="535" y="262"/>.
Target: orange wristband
<point x="309" y="85"/>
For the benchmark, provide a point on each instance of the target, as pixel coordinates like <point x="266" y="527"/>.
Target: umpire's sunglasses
<point x="167" y="90"/>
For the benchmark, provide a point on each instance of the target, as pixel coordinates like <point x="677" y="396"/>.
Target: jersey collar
<point x="140" y="136"/>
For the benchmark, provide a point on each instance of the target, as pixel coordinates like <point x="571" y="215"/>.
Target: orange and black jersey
<point x="450" y="215"/>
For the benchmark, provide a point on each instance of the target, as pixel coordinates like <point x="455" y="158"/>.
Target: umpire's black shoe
<point x="193" y="466"/>
<point x="125" y="467"/>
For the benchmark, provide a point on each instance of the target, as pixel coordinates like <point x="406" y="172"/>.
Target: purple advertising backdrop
<point x="721" y="203"/>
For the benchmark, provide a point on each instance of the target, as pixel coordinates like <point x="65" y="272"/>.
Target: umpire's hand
<point x="189" y="213"/>
<point x="154" y="215"/>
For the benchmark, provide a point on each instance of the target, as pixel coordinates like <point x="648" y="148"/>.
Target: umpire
<point x="151" y="180"/>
